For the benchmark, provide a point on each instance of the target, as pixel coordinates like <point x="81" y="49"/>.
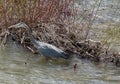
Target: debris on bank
<point x="53" y="34"/>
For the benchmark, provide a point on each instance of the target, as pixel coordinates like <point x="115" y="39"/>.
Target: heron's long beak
<point x="18" y="25"/>
<point x="12" y="26"/>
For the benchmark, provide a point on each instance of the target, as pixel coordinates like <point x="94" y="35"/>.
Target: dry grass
<point x="57" y="16"/>
<point x="34" y="11"/>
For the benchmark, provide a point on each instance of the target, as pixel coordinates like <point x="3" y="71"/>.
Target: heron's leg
<point x="47" y="58"/>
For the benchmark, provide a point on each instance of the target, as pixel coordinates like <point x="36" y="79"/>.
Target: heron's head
<point x="19" y="25"/>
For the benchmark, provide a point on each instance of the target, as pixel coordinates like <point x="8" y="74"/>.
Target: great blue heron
<point x="45" y="49"/>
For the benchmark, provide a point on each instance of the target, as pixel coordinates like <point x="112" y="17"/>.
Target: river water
<point x="106" y="11"/>
<point x="19" y="66"/>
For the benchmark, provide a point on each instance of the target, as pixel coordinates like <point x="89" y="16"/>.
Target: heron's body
<point x="45" y="49"/>
<point x="51" y="51"/>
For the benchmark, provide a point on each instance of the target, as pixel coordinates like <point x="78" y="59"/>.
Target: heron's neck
<point x="32" y="39"/>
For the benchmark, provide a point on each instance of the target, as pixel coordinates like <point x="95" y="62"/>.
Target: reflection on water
<point x="19" y="66"/>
